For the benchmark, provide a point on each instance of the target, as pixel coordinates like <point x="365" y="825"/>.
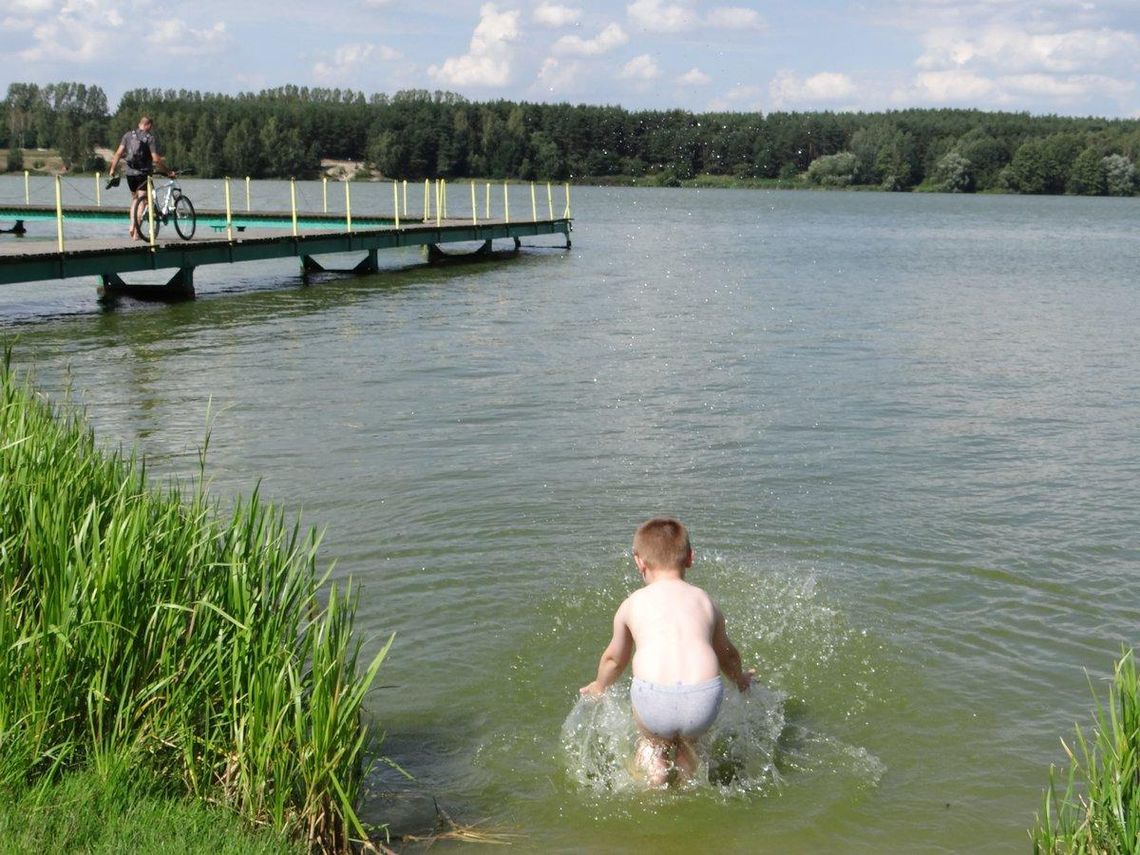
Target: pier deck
<point x="250" y="237"/>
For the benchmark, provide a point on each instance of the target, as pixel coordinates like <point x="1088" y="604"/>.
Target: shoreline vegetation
<point x="413" y="135"/>
<point x="1099" y="809"/>
<point x="163" y="666"/>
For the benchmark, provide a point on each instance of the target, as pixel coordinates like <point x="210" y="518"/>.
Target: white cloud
<point x="786" y="88"/>
<point x="641" y="68"/>
<point x="553" y="15"/>
<point x="694" y="77"/>
<point x="735" y="18"/>
<point x="348" y="61"/>
<point x="175" y="37"/>
<point x="1079" y="87"/>
<point x="558" y="76"/>
<point x="740" y="98"/>
<point x="1012" y="49"/>
<point x="611" y="37"/>
<point x="955" y="86"/>
<point x="488" y="58"/>
<point x="657" y="16"/>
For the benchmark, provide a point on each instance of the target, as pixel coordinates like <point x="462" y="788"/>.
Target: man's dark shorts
<point x="135" y="182"/>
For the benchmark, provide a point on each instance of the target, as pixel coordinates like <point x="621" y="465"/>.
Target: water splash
<point x="738" y="753"/>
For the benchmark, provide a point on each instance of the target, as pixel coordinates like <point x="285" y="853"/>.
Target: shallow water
<point x="902" y="429"/>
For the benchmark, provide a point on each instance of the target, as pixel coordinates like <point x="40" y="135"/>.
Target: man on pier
<point x="140" y="151"/>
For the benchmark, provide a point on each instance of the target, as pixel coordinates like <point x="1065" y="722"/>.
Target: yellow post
<point x="506" y="204"/>
<point x="427" y="200"/>
<point x="98" y="193"/>
<point x="292" y="200"/>
<point x="474" y="209"/>
<point x="438" y="201"/>
<point x="549" y="200"/>
<point x="150" y="208"/>
<point x="567" y="213"/>
<point x="58" y="212"/>
<point x="325" y="191"/>
<point x="247" y="193"/>
<point x="396" y="201"/>
<point x="405" y="197"/>
<point x="229" y="214"/>
<point x="487" y="201"/>
<point x="27" y="197"/>
<point x="347" y="207"/>
<point x="443" y="184"/>
<point x="533" y="205"/>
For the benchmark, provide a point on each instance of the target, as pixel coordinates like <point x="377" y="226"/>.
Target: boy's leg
<point x="686" y="761"/>
<point x="652" y="757"/>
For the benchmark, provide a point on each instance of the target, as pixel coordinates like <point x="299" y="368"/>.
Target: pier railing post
<point x="427" y="200"/>
<point x="549" y="200"/>
<point x="347" y="207"/>
<point x="292" y="201"/>
<point x="405" y="198"/>
<point x="59" y="212"/>
<point x="487" y="200"/>
<point x="229" y="213"/>
<point x="566" y="213"/>
<point x="506" y="204"/>
<point x="27" y="192"/>
<point x="247" y="208"/>
<point x="533" y="205"/>
<point x="474" y="207"/>
<point x="396" y="201"/>
<point x="150" y="208"/>
<point x="438" y="201"/>
<point x="98" y="191"/>
<point x="325" y="191"/>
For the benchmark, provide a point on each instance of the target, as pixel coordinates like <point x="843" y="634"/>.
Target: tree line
<point x="417" y="134"/>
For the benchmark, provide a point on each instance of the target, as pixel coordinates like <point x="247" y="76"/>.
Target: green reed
<point x="136" y="623"/>
<point x="1099" y="811"/>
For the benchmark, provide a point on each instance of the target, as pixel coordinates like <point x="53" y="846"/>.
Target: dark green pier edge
<point x="23" y="260"/>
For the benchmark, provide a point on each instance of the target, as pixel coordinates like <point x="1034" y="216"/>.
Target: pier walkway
<point x="246" y="237"/>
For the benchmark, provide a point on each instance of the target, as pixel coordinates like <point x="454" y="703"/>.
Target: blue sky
<point x="1043" y="56"/>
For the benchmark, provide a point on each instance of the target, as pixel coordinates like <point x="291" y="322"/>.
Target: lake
<point x="902" y="430"/>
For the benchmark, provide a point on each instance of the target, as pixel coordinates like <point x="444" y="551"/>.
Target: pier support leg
<point x="369" y="264"/>
<point x="179" y="288"/>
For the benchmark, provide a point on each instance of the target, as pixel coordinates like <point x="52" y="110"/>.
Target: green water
<point x="902" y="429"/>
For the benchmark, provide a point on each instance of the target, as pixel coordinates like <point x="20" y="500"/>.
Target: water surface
<point x="901" y="428"/>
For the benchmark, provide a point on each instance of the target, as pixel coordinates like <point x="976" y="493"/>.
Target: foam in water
<point x="738" y="753"/>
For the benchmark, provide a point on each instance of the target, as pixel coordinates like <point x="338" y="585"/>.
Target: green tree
<point x="833" y="170"/>
<point x="1119" y="175"/>
<point x="1087" y="176"/>
<point x="953" y="174"/>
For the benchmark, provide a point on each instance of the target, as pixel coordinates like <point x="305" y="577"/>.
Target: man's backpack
<point x="138" y="151"/>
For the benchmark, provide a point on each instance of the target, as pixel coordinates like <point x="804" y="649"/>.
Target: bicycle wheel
<point x="142" y="219"/>
<point x="185" y="220"/>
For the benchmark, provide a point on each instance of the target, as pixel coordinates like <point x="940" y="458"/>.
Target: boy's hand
<point x="744" y="681"/>
<point x="592" y="690"/>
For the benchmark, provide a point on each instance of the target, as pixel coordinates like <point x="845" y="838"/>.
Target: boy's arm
<point x="615" y="657"/>
<point x="728" y="656"/>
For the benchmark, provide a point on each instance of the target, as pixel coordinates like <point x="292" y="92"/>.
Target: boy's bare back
<point x="673" y="625"/>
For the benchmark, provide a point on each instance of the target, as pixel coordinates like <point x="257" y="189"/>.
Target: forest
<point x="417" y="134"/>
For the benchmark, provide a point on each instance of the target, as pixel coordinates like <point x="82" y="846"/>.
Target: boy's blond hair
<point x="662" y="542"/>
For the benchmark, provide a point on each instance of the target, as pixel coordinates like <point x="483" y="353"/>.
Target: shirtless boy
<point x="675" y="635"/>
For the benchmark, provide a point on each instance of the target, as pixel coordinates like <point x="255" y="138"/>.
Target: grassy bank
<point x="140" y="631"/>
<point x="1099" y="810"/>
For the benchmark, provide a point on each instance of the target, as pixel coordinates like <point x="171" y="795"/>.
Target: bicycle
<point x="169" y="204"/>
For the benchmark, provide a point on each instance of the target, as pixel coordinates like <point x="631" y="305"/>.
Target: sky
<point x="1064" y="57"/>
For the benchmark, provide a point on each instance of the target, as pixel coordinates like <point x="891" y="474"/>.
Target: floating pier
<point x="229" y="237"/>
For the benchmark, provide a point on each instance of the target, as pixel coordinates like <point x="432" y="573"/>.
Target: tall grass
<point x="135" y="623"/>
<point x="1099" y="811"/>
